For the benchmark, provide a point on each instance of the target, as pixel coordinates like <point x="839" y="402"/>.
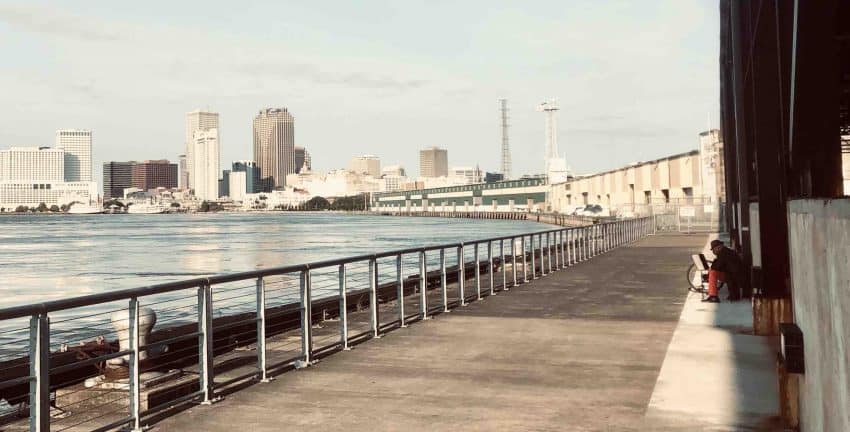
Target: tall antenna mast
<point x="506" y="149"/>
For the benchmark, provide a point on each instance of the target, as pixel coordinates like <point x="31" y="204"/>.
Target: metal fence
<point x="93" y="362"/>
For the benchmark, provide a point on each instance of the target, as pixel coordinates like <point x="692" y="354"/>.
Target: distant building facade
<point x="117" y="176"/>
<point x="366" y="164"/>
<point x="182" y="173"/>
<point x="302" y="160"/>
<point x="196" y="121"/>
<point x="76" y="143"/>
<point x="395" y="170"/>
<point x="711" y="169"/>
<point x="152" y="174"/>
<point x="472" y="175"/>
<point x="205" y="164"/>
<point x="252" y="174"/>
<point x="32" y="163"/>
<point x="274" y="146"/>
<point x="433" y="162"/>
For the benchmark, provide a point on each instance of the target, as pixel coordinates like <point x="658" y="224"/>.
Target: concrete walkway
<point x="578" y="350"/>
<point x="717" y="376"/>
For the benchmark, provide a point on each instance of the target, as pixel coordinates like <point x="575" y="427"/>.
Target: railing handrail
<point x="128" y="293"/>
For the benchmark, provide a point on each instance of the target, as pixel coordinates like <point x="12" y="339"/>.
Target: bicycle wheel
<point x="694" y="279"/>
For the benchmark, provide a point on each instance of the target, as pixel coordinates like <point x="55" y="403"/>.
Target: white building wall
<point x="77" y="146"/>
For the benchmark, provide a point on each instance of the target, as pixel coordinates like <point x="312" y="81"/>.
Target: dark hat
<point x="715" y="243"/>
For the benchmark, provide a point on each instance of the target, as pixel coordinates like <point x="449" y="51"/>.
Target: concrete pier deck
<point x="580" y="349"/>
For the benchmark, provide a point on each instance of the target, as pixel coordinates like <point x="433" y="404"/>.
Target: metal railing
<point x="222" y="330"/>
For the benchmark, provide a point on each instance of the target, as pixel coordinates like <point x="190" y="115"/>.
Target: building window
<point x="666" y="193"/>
<point x="647" y="195"/>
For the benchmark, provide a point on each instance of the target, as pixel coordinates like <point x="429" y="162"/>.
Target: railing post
<point x="533" y="258"/>
<point x="133" y="380"/>
<point x="524" y="260"/>
<point x="548" y="262"/>
<point x="443" y="286"/>
<point x="306" y="317"/>
<point x="477" y="273"/>
<point x="39" y="345"/>
<point x="423" y="284"/>
<point x="262" y="363"/>
<point x="373" y="297"/>
<point x="504" y="264"/>
<point x="343" y="308"/>
<point x="205" y="347"/>
<point x="461" y="274"/>
<point x="490" y="266"/>
<point x="399" y="280"/>
<point x="562" y="237"/>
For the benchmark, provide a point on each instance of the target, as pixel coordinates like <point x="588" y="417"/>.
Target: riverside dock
<point x="578" y="349"/>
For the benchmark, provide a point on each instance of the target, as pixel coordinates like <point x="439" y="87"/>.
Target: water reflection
<point x="45" y="258"/>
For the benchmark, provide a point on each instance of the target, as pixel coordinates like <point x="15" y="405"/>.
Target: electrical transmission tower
<point x="506" y="149"/>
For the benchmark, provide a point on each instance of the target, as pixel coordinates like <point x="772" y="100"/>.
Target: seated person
<point x="725" y="268"/>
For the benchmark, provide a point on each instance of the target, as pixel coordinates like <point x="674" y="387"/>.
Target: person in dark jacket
<point x="726" y="267"/>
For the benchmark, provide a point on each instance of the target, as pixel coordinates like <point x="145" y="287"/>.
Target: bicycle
<point x="692" y="275"/>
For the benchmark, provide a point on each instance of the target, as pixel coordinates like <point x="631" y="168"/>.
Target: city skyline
<point x="638" y="86"/>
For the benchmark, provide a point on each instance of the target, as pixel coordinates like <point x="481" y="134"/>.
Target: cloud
<point x="54" y="23"/>
<point x="318" y="75"/>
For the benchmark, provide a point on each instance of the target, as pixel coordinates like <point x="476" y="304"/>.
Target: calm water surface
<point x="46" y="257"/>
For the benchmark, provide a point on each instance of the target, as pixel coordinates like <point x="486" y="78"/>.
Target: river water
<point x="47" y="257"/>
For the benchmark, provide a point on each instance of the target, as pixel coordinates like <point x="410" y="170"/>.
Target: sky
<point x="634" y="80"/>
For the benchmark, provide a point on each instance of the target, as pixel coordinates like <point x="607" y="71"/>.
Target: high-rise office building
<point x="252" y="174"/>
<point x="366" y="164"/>
<point x="205" y="164"/>
<point x="182" y="173"/>
<point x="433" y="162"/>
<point x="152" y="174"/>
<point x="274" y="146"/>
<point x="117" y="176"/>
<point x="77" y="146"/>
<point x="32" y="163"/>
<point x="197" y="120"/>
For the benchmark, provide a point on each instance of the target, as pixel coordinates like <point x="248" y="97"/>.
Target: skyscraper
<point x="117" y="176"/>
<point x="77" y="146"/>
<point x="274" y="146"/>
<point x="205" y="164"/>
<point x="197" y="120"/>
<point x="433" y="162"/>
